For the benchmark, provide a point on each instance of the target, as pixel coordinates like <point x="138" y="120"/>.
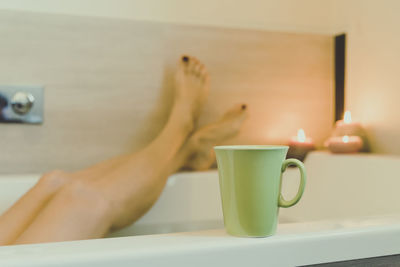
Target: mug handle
<point x="285" y="203"/>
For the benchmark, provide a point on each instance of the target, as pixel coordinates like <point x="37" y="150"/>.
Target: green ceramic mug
<point x="250" y="183"/>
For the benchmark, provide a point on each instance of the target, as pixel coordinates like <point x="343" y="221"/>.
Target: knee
<point x="54" y="180"/>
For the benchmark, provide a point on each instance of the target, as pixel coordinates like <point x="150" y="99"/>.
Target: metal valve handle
<point x="22" y="102"/>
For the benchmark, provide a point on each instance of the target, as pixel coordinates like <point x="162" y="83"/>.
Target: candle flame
<point x="301" y="136"/>
<point x="345" y="139"/>
<point x="347" y="117"/>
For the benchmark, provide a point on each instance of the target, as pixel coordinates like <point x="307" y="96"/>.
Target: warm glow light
<point x="347" y="117"/>
<point x="345" y="139"/>
<point x="301" y="136"/>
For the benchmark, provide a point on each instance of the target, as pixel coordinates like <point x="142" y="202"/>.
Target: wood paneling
<point x="109" y="83"/>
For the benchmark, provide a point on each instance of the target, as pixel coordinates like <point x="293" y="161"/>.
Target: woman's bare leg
<point x="116" y="192"/>
<point x="86" y="208"/>
<point x="195" y="153"/>
<point x="15" y="220"/>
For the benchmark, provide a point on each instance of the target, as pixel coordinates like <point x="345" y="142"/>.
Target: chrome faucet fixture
<point x="21" y="104"/>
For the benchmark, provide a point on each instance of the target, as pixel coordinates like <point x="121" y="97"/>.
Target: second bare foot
<point x="200" y="154"/>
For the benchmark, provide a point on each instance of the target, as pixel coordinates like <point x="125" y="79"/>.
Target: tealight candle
<point x="348" y="127"/>
<point x="351" y="128"/>
<point x="345" y="144"/>
<point x="300" y="145"/>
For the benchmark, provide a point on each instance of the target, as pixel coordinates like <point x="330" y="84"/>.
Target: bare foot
<point x="191" y="85"/>
<point x="200" y="154"/>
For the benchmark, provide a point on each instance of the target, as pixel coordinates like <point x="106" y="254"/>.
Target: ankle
<point x="184" y="120"/>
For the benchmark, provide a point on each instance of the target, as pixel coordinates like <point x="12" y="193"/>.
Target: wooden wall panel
<point x="109" y="82"/>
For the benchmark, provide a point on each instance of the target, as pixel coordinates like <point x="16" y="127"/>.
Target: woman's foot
<point x="191" y="88"/>
<point x="199" y="148"/>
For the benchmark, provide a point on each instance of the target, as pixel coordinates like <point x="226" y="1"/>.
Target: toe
<point x="238" y="108"/>
<point x="203" y="74"/>
<point x="185" y="58"/>
<point x="184" y="63"/>
<point x="235" y="111"/>
<point x="200" y="70"/>
<point x="193" y="65"/>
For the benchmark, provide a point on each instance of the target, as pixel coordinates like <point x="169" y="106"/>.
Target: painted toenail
<point x="244" y="106"/>
<point x="185" y="59"/>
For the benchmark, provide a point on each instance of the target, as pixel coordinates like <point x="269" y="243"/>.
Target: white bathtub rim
<point x="329" y="238"/>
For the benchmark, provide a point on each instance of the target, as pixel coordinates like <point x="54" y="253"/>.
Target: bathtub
<point x="350" y="210"/>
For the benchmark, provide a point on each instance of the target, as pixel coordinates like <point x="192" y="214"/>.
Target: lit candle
<point x="345" y="144"/>
<point x="348" y="127"/>
<point x="300" y="145"/>
<point x="351" y="128"/>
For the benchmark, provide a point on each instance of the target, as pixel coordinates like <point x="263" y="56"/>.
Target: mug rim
<point x="251" y="147"/>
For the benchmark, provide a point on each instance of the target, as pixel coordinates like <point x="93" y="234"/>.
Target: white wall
<point x="280" y="15"/>
<point x="373" y="57"/>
